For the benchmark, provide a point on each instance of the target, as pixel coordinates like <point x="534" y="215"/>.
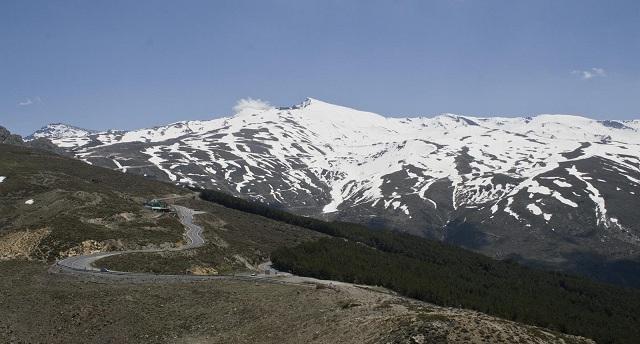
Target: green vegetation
<point x="232" y="238"/>
<point x="329" y="228"/>
<point x="463" y="279"/>
<point x="450" y="276"/>
<point x="77" y="202"/>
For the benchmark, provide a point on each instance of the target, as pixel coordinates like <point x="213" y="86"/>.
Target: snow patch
<point x="637" y="181"/>
<point x="594" y="194"/>
<point x="508" y="210"/>
<point x="562" y="184"/>
<point x="534" y="209"/>
<point x="355" y="157"/>
<point x="157" y="161"/>
<point x="533" y="186"/>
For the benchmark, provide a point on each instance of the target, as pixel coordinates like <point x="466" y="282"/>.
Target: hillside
<point x="52" y="207"/>
<point x="446" y="275"/>
<point x="78" y="208"/>
<point x="552" y="190"/>
<point x="234" y="241"/>
<point x="427" y="270"/>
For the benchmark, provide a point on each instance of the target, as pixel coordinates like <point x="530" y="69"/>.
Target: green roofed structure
<point x="157" y="205"/>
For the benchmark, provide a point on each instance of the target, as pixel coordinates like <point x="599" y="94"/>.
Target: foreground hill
<point x="39" y="307"/>
<point x="552" y="190"/>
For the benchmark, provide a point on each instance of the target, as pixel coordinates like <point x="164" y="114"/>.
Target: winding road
<point x="83" y="264"/>
<point x="193" y="233"/>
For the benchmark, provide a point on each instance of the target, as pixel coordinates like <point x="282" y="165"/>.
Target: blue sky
<point x="131" y="64"/>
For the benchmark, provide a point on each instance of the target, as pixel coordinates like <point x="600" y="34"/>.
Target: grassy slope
<point x="228" y="233"/>
<point x="78" y="202"/>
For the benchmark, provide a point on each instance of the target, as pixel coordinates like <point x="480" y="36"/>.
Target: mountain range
<point x="559" y="191"/>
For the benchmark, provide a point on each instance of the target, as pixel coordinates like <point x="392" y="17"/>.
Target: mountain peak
<point x="307" y="102"/>
<point x="561" y="118"/>
<point x="318" y="110"/>
<point x="59" y="130"/>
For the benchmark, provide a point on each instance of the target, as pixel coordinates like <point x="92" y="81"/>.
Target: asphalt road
<point x="193" y="234"/>
<point x="83" y="265"/>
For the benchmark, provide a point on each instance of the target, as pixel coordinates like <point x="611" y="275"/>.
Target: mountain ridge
<point x="616" y="123"/>
<point x="542" y="188"/>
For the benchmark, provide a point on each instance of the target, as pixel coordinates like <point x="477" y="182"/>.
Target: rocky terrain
<point x="552" y="190"/>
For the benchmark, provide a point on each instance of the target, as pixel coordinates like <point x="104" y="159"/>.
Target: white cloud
<point x="30" y="101"/>
<point x="594" y="72"/>
<point x="26" y="102"/>
<point x="251" y="104"/>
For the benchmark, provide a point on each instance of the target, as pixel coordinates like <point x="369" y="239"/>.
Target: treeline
<point x="267" y="211"/>
<point x="450" y="276"/>
<point x="380" y="238"/>
<point x="564" y="303"/>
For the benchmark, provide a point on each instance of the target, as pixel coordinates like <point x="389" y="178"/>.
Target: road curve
<point x="193" y="234"/>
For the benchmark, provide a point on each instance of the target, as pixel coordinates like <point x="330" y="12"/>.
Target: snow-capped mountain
<point x="65" y="136"/>
<point x="545" y="188"/>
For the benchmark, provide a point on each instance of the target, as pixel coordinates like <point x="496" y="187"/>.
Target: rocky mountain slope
<point x="33" y="142"/>
<point x="556" y="190"/>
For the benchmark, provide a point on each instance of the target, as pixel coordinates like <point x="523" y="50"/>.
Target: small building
<point x="157" y="205"/>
